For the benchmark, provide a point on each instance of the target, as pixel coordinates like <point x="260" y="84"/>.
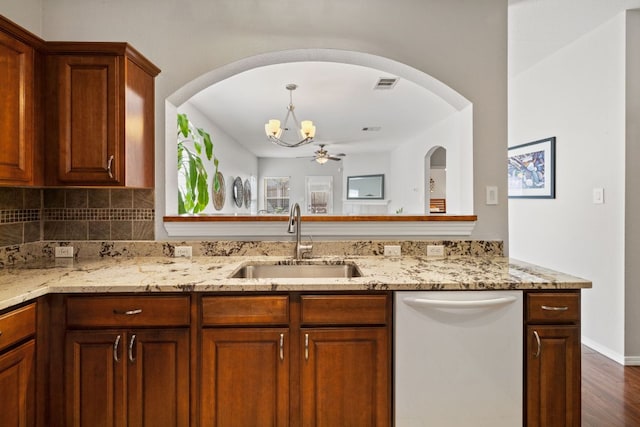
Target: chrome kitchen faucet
<point x="294" y="227"/>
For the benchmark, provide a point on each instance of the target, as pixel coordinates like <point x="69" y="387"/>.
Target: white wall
<point x="577" y="94"/>
<point x="26" y="13"/>
<point x="461" y="43"/>
<point x="454" y="135"/>
<point x="234" y="161"/>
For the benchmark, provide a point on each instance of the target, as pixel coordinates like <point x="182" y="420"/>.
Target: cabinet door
<point x="17" y="106"/>
<point x="17" y="374"/>
<point x="158" y="378"/>
<point x="85" y="120"/>
<point x="245" y="377"/>
<point x="553" y="376"/>
<point x="95" y="363"/>
<point x="345" y="377"/>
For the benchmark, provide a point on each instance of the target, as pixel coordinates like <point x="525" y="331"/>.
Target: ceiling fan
<point x="322" y="156"/>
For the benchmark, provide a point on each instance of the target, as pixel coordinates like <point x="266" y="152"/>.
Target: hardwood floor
<point x="610" y="392"/>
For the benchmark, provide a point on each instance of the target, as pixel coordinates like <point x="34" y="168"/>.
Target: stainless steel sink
<point x="272" y="271"/>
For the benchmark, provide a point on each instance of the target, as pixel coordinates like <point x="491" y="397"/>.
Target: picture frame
<point x="531" y="170"/>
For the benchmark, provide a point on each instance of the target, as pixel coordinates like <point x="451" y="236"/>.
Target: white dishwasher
<point x="458" y="359"/>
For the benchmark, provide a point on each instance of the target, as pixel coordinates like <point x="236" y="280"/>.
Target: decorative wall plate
<point x="218" y="196"/>
<point x="247" y="194"/>
<point x="238" y="193"/>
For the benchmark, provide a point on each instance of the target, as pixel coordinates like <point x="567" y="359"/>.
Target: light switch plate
<point x="492" y="195"/>
<point x="598" y="196"/>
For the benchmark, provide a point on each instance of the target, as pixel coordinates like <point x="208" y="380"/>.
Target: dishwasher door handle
<point x="441" y="303"/>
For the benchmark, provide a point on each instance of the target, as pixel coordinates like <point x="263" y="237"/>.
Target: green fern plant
<point x="193" y="192"/>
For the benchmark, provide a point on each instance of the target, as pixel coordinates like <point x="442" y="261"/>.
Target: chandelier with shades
<point x="275" y="132"/>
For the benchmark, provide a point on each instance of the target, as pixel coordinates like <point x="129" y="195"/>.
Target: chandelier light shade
<point x="275" y="132"/>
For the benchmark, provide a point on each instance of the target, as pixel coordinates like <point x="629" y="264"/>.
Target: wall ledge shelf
<point x="274" y="226"/>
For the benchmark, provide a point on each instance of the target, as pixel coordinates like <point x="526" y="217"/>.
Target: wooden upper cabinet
<point x="20" y="152"/>
<point x="99" y="115"/>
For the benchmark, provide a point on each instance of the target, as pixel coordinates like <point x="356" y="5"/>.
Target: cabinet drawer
<point x="344" y="309"/>
<point x="17" y="325"/>
<point x="245" y="310"/>
<point x="127" y="311"/>
<point x="553" y="307"/>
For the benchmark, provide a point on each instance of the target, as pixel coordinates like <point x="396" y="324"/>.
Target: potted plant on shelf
<point x="193" y="188"/>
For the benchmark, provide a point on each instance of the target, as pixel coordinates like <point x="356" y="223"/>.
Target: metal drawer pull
<point x="116" y="345"/>
<point x="0" y="333"/>
<point x="306" y="346"/>
<point x="535" y="334"/>
<point x="128" y="312"/>
<point x="281" y="346"/>
<point x="549" y="308"/>
<point x="131" y="344"/>
<point x="109" y="166"/>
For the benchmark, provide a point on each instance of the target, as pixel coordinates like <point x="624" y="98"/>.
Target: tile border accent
<point x="9" y="216"/>
<point x="98" y="214"/>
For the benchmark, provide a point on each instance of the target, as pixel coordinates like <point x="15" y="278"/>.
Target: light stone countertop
<point x="212" y="274"/>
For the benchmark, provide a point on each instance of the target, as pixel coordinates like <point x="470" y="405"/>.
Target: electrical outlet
<point x="435" y="250"/>
<point x="64" y="252"/>
<point x="392" y="250"/>
<point x="182" y="251"/>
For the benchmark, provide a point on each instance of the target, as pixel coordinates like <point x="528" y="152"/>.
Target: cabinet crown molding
<point x="102" y="48"/>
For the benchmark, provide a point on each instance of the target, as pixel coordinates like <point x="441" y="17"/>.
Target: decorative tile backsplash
<point x="20" y="215"/>
<point x="32" y="214"/>
<point x="98" y="214"/>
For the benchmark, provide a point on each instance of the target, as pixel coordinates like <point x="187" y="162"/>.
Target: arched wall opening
<point x="454" y="133"/>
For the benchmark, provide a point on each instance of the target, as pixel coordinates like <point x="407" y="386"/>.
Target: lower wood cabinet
<point x="292" y="360"/>
<point x="135" y="376"/>
<point x="552" y="360"/>
<point x="17" y="375"/>
<point x="245" y="377"/>
<point x="345" y="377"/>
<point x="122" y="378"/>
<point x="17" y="367"/>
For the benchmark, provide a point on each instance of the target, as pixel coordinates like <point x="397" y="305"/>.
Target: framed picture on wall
<point x="531" y="169"/>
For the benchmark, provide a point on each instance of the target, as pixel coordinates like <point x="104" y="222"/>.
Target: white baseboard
<point x="606" y="351"/>
<point x="632" y="361"/>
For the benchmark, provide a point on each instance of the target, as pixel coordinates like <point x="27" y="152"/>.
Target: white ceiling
<point x="339" y="98"/>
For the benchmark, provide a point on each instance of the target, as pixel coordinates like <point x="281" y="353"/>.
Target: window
<point x="276" y="194"/>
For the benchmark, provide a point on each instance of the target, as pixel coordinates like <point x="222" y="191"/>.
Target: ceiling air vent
<point x="386" y="83"/>
<point x="371" y="129"/>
